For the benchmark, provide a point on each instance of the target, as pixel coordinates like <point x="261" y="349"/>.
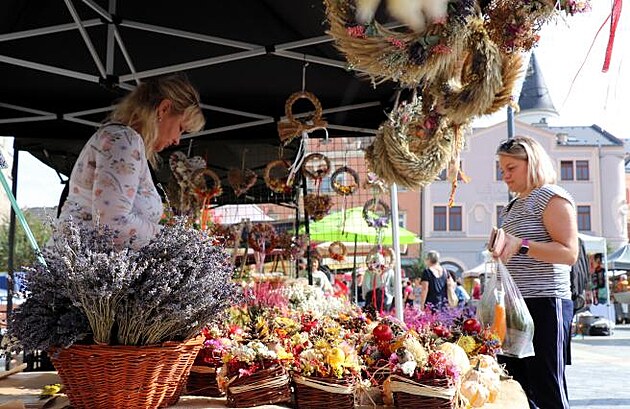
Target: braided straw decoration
<point x="384" y="54"/>
<point x="481" y="78"/>
<point x="202" y="190"/>
<point x="400" y="157"/>
<point x="291" y="127"/>
<point x="511" y="70"/>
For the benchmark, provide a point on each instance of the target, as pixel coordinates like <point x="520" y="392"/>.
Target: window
<point x="500" y="215"/>
<point x="581" y="170"/>
<point x="439" y="218"/>
<point x="455" y="218"/>
<point x="566" y="170"/>
<point x="584" y="218"/>
<point x="498" y="175"/>
<point x="402" y="219"/>
<point x="444" y="214"/>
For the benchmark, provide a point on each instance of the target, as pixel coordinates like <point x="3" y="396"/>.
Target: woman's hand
<point x="511" y="246"/>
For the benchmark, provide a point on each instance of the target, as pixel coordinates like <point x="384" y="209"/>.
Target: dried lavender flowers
<point x="92" y="291"/>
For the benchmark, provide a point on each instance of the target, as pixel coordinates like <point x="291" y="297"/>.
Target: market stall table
<point x="21" y="391"/>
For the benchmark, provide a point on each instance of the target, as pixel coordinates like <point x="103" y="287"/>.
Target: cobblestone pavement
<point x="600" y="375"/>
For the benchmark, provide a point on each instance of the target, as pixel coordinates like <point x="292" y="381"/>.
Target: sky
<point x="582" y="98"/>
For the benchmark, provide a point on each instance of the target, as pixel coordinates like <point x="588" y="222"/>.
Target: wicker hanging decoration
<point x="376" y="213"/>
<point x="207" y="185"/>
<point x="262" y="238"/>
<point x="337" y="250"/>
<point x="380" y="259"/>
<point x="317" y="206"/>
<point x="374" y="184"/>
<point x="413" y="147"/>
<point x="183" y="168"/>
<point x="316" y="166"/>
<point x="278" y="184"/>
<point x="344" y="189"/>
<point x="407" y="57"/>
<point x="291" y="127"/>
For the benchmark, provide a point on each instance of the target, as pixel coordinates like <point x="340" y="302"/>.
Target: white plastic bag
<point x="501" y="291"/>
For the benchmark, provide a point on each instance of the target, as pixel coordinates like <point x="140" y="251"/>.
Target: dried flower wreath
<point x="291" y="127"/>
<point x="338" y="186"/>
<point x="277" y="184"/>
<point x="380" y="259"/>
<point x="337" y="250"/>
<point x="317" y="206"/>
<point x="376" y="213"/>
<point x="204" y="190"/>
<point x="316" y="166"/>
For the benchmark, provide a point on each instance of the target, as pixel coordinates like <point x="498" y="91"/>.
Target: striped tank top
<point x="523" y="218"/>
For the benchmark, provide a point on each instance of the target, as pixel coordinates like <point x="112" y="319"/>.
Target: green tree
<point x="24" y="255"/>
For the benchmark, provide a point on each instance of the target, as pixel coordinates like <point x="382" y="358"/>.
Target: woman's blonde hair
<point x="138" y="109"/>
<point x="540" y="170"/>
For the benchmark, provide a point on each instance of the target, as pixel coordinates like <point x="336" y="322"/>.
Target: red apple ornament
<point x="383" y="333"/>
<point x="472" y="326"/>
<point x="441" y="331"/>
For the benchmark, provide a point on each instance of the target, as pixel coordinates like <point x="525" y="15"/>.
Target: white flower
<point x="409" y="367"/>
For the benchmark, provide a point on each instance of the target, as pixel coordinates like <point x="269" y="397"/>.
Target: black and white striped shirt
<point x="524" y="219"/>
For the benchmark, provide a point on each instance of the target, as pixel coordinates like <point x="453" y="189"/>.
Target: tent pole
<point x="11" y="255"/>
<point x="393" y="190"/>
<point x="354" y="295"/>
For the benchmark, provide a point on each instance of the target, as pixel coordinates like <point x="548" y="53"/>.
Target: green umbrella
<point x="354" y="228"/>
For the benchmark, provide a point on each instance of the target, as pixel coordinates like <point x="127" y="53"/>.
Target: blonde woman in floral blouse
<point x="111" y="182"/>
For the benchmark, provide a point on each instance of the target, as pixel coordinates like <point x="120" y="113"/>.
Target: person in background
<point x="434" y="283"/>
<point x="378" y="289"/>
<point x="111" y="182"/>
<point x="460" y="291"/>
<point x="540" y="246"/>
<point x="302" y="271"/>
<point x="417" y="291"/>
<point x="320" y="279"/>
<point x="408" y="295"/>
<point x="476" y="291"/>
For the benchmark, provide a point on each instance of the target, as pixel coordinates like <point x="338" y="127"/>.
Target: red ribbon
<point x="614" y="20"/>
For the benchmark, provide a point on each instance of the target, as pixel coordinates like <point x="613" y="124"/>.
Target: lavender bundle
<point x="92" y="291"/>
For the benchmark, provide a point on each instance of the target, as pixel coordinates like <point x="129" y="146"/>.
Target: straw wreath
<point x="337" y="250"/>
<point x="344" y="189"/>
<point x="413" y="153"/>
<point x="480" y="78"/>
<point x="403" y="56"/>
<point x="290" y="127"/>
<point x="278" y="185"/>
<point x="202" y="189"/>
<point x="313" y="169"/>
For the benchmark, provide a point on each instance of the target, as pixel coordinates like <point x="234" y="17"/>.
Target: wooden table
<point x="21" y="391"/>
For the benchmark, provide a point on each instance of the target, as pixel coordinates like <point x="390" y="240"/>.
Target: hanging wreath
<point x="374" y="184"/>
<point x="317" y="206"/>
<point x="241" y="180"/>
<point x="376" y="213"/>
<point x="380" y="259"/>
<point x="262" y="236"/>
<point x="316" y="166"/>
<point x="278" y="184"/>
<point x="291" y="127"/>
<point x="414" y="145"/>
<point x="207" y="185"/>
<point x="404" y="56"/>
<point x="338" y="186"/>
<point x="337" y="250"/>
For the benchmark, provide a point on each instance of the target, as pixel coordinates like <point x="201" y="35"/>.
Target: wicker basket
<point x="202" y="380"/>
<point x="317" y="393"/>
<point x="431" y="393"/>
<point x="102" y="376"/>
<point x="263" y="387"/>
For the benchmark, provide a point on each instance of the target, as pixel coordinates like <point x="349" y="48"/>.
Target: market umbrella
<point x="353" y="227"/>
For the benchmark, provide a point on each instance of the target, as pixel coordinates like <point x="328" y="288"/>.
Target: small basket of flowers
<point x="202" y="380"/>
<point x="327" y="370"/>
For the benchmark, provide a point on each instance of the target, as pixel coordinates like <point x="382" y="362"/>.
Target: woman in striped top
<point x="540" y="246"/>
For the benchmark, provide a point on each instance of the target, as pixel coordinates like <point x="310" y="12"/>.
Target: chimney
<point x="562" y="138"/>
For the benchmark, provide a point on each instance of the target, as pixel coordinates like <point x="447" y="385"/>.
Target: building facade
<point x="588" y="160"/>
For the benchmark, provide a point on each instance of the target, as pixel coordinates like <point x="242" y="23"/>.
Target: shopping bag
<point x="503" y="309"/>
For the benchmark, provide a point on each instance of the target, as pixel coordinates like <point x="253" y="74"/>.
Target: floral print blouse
<point x="111" y="183"/>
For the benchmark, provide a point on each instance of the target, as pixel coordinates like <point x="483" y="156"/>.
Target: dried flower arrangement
<point x="89" y="291"/>
<point x="278" y="184"/>
<point x="317" y="206"/>
<point x="338" y="186"/>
